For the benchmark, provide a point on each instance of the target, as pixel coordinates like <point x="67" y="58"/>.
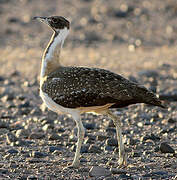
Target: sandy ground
<point x="136" y="39"/>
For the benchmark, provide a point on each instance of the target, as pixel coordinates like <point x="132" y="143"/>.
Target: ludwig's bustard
<point x="76" y="90"/>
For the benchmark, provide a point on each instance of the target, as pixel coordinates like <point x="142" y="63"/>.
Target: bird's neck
<point x="51" y="56"/>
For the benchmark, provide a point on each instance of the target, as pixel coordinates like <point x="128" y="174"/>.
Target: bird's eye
<point x="54" y="20"/>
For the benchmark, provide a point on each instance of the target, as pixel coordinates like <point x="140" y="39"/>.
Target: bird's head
<point x="57" y="23"/>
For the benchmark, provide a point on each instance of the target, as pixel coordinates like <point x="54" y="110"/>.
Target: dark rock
<point x="112" y="130"/>
<point x="37" y="154"/>
<point x="3" y="171"/>
<point x="22" y="133"/>
<point x="112" y="142"/>
<point x="55" y="148"/>
<point x="2" y="78"/>
<point x="108" y="148"/>
<point x="132" y="141"/>
<point x="101" y="137"/>
<point x="118" y="171"/>
<point x="89" y="125"/>
<point x="61" y="130"/>
<point x="32" y="177"/>
<point x="151" y="137"/>
<point x="97" y="171"/>
<point x="25" y="104"/>
<point x="10" y="137"/>
<point x="171" y="120"/>
<point x="54" y="137"/>
<point x="165" y="148"/>
<point x="3" y="124"/>
<point x="84" y="148"/>
<point x="8" y="97"/>
<point x="89" y="140"/>
<point x="136" y="154"/>
<point x="36" y="135"/>
<point x="12" y="151"/>
<point x="94" y="149"/>
<point x="124" y="176"/>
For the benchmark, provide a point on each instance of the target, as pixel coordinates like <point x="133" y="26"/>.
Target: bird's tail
<point x="148" y="97"/>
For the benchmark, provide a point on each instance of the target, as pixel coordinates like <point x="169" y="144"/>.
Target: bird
<point x="75" y="90"/>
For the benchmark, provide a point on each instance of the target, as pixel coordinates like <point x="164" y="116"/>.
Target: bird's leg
<point x="122" y="153"/>
<point x="80" y="134"/>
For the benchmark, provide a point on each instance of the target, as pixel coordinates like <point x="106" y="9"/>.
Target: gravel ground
<point x="136" y="39"/>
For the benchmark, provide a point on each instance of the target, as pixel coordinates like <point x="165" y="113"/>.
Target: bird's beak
<point x="42" y="19"/>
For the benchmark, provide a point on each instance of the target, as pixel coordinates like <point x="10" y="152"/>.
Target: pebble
<point x="10" y="137"/>
<point x="36" y="135"/>
<point x="12" y="151"/>
<point x="22" y="133"/>
<point x="108" y="148"/>
<point x="25" y="104"/>
<point x="89" y="125"/>
<point x="165" y="148"/>
<point x="112" y="130"/>
<point x="101" y="137"/>
<point x="112" y="142"/>
<point x="55" y="136"/>
<point x="32" y="177"/>
<point x="3" y="124"/>
<point x="97" y="171"/>
<point x="54" y="148"/>
<point x="94" y="149"/>
<point x="118" y="171"/>
<point x="37" y="154"/>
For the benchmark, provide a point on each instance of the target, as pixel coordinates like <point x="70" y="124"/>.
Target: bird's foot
<point x="123" y="160"/>
<point x="75" y="164"/>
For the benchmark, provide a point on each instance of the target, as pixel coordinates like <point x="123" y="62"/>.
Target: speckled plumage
<point x="74" y="87"/>
<point x="75" y="90"/>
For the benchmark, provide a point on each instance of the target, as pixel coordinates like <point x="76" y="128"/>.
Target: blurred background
<point x="103" y="33"/>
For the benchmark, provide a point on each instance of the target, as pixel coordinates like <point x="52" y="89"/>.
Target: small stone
<point x="8" y="97"/>
<point x="3" y="131"/>
<point x="22" y="133"/>
<point x="37" y="154"/>
<point x="165" y="148"/>
<point x="94" y="149"/>
<point x="112" y="142"/>
<point x="3" y="171"/>
<point x="171" y="120"/>
<point x="132" y="141"/>
<point x="46" y="127"/>
<point x="12" y="151"/>
<point x="118" y="171"/>
<point x="32" y="177"/>
<point x="55" y="148"/>
<point x="3" y="124"/>
<point x="112" y="130"/>
<point x="140" y="124"/>
<point x="97" y="171"/>
<point x="89" y="125"/>
<point x="136" y="154"/>
<point x="36" y="135"/>
<point x="55" y="136"/>
<point x="10" y="137"/>
<point x="101" y="137"/>
<point x="108" y="148"/>
<point x="25" y="104"/>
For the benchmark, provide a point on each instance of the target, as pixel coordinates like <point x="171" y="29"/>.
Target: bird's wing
<point x="84" y="87"/>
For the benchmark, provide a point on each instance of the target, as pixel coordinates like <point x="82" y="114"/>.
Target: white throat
<point x="53" y="47"/>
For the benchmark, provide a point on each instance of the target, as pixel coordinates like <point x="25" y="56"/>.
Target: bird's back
<point x="74" y="87"/>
